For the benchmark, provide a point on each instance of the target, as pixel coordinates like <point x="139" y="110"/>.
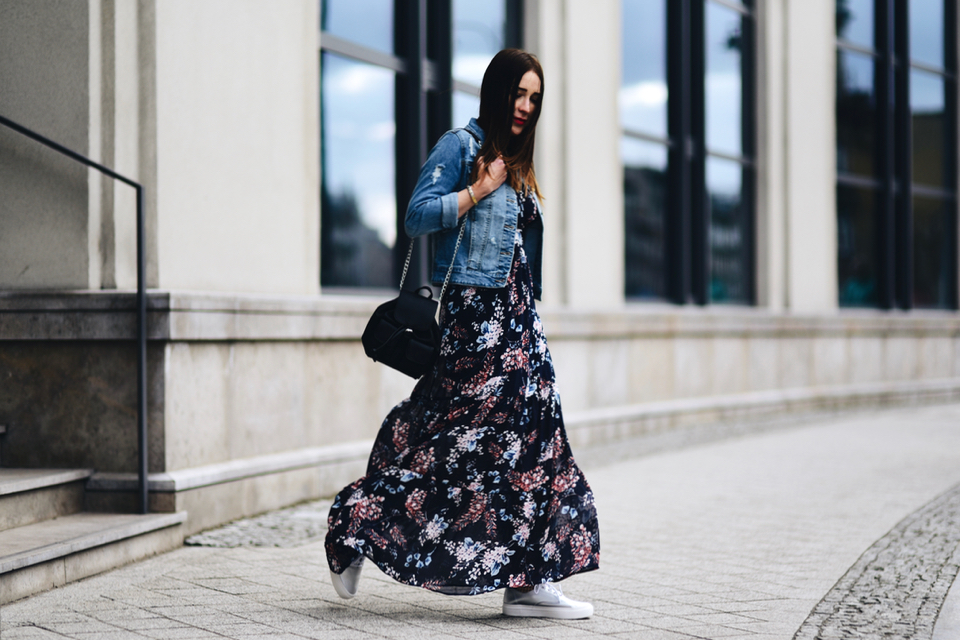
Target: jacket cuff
<point x="449" y="207"/>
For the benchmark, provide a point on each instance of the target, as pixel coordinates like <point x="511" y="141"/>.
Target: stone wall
<point x="273" y="396"/>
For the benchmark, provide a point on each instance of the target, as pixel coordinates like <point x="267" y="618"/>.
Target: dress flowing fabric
<point x="471" y="485"/>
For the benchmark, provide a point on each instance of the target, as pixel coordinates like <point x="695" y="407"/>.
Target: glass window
<point x="856" y="113"/>
<point x="723" y="84"/>
<point x="896" y="161"/>
<point x="644" y="148"/>
<point x="855" y="22"/>
<point x="372" y="134"/>
<point x="358" y="138"/>
<point x="728" y="242"/>
<point x="465" y="106"/>
<point x="478" y="30"/>
<point x="933" y="236"/>
<point x="927" y="31"/>
<point x="366" y="22"/>
<point x="643" y="90"/>
<point x="478" y="34"/>
<point x="687" y="150"/>
<point x="645" y="207"/>
<point x="927" y="109"/>
<point x="856" y="246"/>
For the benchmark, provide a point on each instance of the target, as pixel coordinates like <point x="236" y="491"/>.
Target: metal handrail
<point x="141" y="297"/>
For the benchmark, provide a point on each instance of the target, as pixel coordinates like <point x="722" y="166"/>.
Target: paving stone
<point x="658" y="634"/>
<point x="485" y="634"/>
<point x="110" y="635"/>
<point x="86" y="626"/>
<point x="138" y="624"/>
<point x="243" y="629"/>
<point x="30" y="633"/>
<point x="731" y="540"/>
<point x="114" y="615"/>
<point x="178" y="633"/>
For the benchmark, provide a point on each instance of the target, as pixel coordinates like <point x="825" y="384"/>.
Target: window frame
<point x="422" y="63"/>
<point x="687" y="259"/>
<point x="893" y="181"/>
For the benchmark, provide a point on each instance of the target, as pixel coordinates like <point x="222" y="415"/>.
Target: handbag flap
<point x="415" y="311"/>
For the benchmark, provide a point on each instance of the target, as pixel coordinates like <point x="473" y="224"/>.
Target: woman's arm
<point x="435" y="205"/>
<point x="489" y="180"/>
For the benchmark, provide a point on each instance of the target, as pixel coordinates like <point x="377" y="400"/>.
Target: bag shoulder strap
<point x="446" y="280"/>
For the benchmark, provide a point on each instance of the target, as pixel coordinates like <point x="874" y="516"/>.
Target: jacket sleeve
<point x="433" y="205"/>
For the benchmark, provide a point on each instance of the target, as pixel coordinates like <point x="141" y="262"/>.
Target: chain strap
<point x="446" y="281"/>
<point x="406" y="265"/>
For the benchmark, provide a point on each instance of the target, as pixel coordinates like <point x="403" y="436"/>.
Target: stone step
<point x="48" y="554"/>
<point x="28" y="496"/>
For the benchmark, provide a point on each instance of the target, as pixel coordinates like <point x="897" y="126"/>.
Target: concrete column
<point x="810" y="163"/>
<point x="544" y="28"/>
<point x="771" y="156"/>
<point x="578" y="160"/>
<point x="46" y="75"/>
<point x="593" y="171"/>
<point x="237" y="135"/>
<point x="120" y="142"/>
<point x="956" y="164"/>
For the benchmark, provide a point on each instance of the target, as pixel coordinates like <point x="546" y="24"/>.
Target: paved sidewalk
<point x="807" y="529"/>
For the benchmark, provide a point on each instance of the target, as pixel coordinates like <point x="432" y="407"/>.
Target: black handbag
<point x="403" y="333"/>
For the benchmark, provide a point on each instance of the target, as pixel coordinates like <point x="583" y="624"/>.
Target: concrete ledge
<point x="174" y="315"/>
<point x="20" y="480"/>
<point x="44" y="503"/>
<point x="608" y="426"/>
<point x="585" y="429"/>
<point x="79" y="315"/>
<point x="90" y="561"/>
<point x="44" y="541"/>
<point x="233" y="470"/>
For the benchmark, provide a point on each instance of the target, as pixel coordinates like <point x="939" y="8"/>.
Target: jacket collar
<point x="475" y="129"/>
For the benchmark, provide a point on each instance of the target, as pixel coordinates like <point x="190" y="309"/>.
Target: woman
<point x="471" y="485"/>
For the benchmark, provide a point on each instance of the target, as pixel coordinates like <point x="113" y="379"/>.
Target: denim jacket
<point x="486" y="252"/>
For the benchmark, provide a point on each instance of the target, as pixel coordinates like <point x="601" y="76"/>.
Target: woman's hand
<point x="489" y="179"/>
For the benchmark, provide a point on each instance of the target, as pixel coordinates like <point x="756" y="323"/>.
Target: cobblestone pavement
<point x="739" y="539"/>
<point x="897" y="588"/>
<point x="283" y="528"/>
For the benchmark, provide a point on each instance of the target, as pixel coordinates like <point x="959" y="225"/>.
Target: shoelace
<point x="549" y="587"/>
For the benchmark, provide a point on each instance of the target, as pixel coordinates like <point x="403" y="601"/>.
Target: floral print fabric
<point x="471" y="485"/>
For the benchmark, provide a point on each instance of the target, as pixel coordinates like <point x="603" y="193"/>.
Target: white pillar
<point x="237" y="135"/>
<point x="578" y="160"/>
<point x="45" y="75"/>
<point x="810" y="146"/>
<point x="771" y="157"/>
<point x="544" y="21"/>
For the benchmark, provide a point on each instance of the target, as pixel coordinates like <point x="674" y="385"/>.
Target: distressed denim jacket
<point x="486" y="253"/>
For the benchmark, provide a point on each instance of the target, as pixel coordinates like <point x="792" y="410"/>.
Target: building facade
<point x="750" y="210"/>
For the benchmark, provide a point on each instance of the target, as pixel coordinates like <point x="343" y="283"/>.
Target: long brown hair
<point x="498" y="94"/>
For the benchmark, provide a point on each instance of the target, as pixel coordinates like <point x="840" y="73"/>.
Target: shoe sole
<point x="339" y="587"/>
<point x="540" y="611"/>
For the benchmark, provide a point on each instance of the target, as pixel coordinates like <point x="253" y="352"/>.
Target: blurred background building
<point x="751" y="211"/>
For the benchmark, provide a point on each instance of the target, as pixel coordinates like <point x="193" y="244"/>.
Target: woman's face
<point x="526" y="102"/>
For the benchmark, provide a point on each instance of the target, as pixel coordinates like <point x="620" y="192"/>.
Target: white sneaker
<point x="347" y="582"/>
<point x="544" y="601"/>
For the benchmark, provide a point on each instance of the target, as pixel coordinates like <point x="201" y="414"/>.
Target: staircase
<point x="47" y="539"/>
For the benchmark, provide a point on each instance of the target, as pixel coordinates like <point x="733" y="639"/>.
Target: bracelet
<point x="472" y="196"/>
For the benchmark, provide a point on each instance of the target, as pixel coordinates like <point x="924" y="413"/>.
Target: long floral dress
<point x="471" y="485"/>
